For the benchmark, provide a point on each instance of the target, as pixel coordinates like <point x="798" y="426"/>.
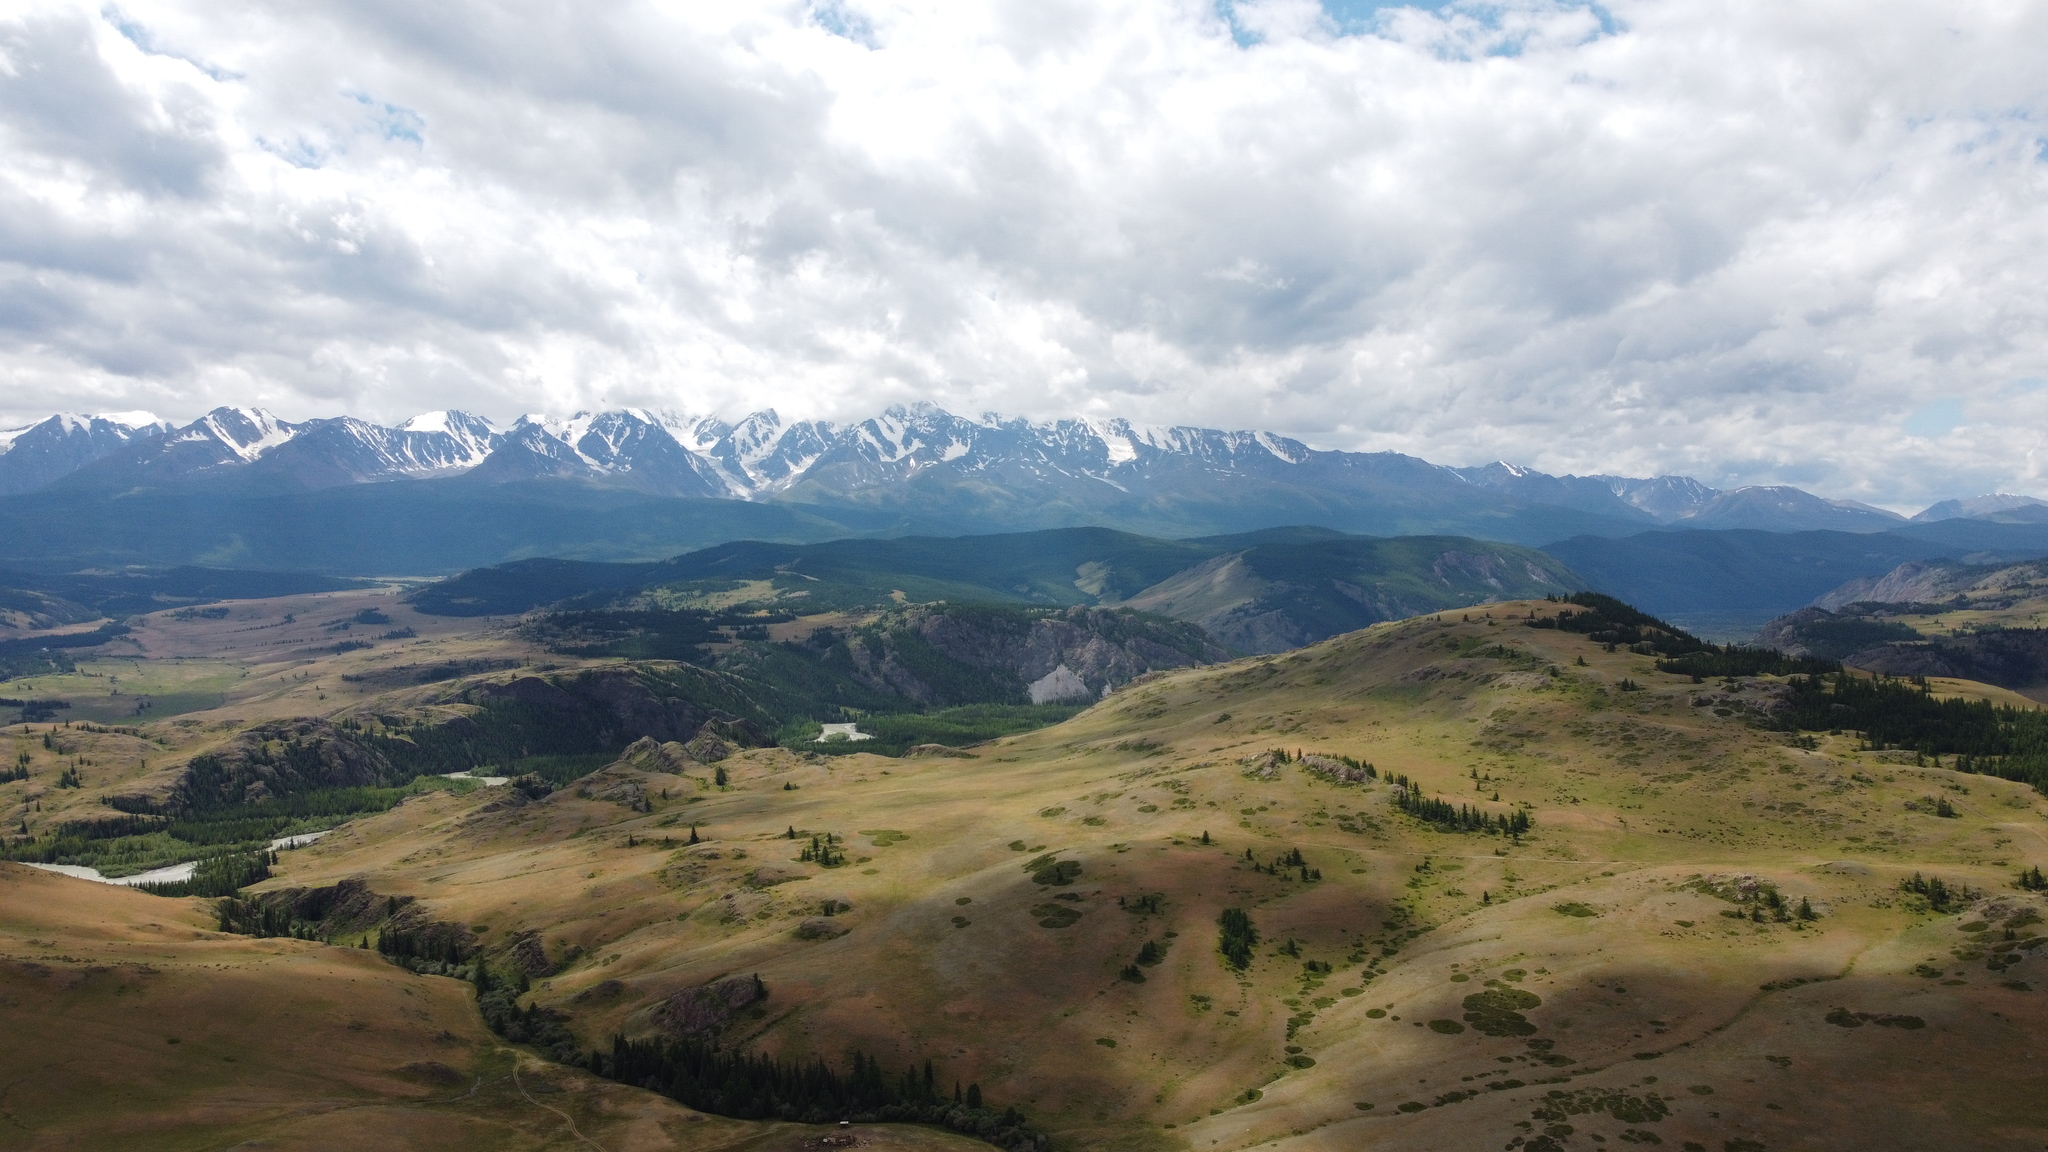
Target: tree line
<point x="753" y="1086"/>
<point x="217" y="876"/>
<point x="1459" y="817"/>
<point x="1609" y="621"/>
<point x="1985" y="738"/>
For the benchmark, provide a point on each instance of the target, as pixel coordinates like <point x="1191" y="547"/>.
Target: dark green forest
<point x="1608" y="621"/>
<point x="1977" y="735"/>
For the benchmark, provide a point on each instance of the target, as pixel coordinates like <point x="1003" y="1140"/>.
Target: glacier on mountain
<point x="1081" y="462"/>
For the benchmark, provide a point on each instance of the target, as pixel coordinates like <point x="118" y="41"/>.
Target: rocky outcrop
<point x="1062" y="683"/>
<point x="280" y="759"/>
<point x="647" y="755"/>
<point x="1829" y="635"/>
<point x="1281" y="595"/>
<point x="529" y="955"/>
<point x="2015" y="658"/>
<point x="706" y="748"/>
<point x="1264" y="765"/>
<point x="668" y="703"/>
<point x="938" y="654"/>
<point x="1943" y="584"/>
<point x="707" y="1009"/>
<point x="616" y="784"/>
<point x="770" y="875"/>
<point x="1331" y="768"/>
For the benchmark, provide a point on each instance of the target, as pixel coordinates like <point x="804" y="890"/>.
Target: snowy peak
<point x="246" y="432"/>
<point x="1664" y="497"/>
<point x="345" y="450"/>
<point x="1786" y="509"/>
<point x="917" y="457"/>
<point x="628" y="447"/>
<point x="64" y="425"/>
<point x="601" y="441"/>
<point x="692" y="431"/>
<point x="1979" y="507"/>
<point x="50" y="449"/>
<point x="136" y="421"/>
<point x="461" y="425"/>
<point x="760" y="454"/>
<point x="1600" y="495"/>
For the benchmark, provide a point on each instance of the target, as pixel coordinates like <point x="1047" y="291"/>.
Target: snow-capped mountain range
<point x="921" y="454"/>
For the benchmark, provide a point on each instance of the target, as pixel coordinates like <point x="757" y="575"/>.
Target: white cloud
<point x="1746" y="241"/>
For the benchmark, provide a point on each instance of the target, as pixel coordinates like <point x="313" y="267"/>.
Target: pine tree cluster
<point x="1236" y="938"/>
<point x="703" y="1076"/>
<point x="1287" y="863"/>
<point x="1459" y="817"/>
<point x="824" y="851"/>
<point x="219" y="876"/>
<point x="1940" y="895"/>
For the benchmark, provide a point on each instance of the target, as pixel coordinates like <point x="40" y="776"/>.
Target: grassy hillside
<point x="1042" y="916"/>
<point x="1627" y="953"/>
<point x="132" y="1024"/>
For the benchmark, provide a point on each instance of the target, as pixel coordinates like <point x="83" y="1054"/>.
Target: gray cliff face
<point x="1943" y="582"/>
<point x="1100" y="648"/>
<point x="2015" y="659"/>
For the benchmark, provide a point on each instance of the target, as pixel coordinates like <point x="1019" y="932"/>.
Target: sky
<point x="1748" y="242"/>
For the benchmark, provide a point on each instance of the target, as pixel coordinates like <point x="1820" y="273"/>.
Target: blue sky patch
<point x="1936" y="418"/>
<point x="834" y="17"/>
<point x="137" y="34"/>
<point x="394" y="121"/>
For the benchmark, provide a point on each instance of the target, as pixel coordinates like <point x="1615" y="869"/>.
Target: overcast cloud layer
<point x="1742" y="240"/>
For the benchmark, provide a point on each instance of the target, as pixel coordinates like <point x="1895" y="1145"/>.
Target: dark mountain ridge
<point x="1256" y="592"/>
<point x="909" y="470"/>
<point x="1727" y="584"/>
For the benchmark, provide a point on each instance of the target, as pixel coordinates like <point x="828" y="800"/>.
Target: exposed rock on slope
<point x="947" y="653"/>
<point x="279" y="759"/>
<point x="1276" y="596"/>
<point x="626" y="704"/>
<point x="1929" y="582"/>
<point x="2012" y="658"/>
<point x="1831" y="636"/>
<point x="707" y="1010"/>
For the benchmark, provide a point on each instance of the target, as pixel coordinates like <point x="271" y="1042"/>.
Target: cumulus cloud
<point x="1750" y="242"/>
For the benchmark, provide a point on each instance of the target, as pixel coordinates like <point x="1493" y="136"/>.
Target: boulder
<point x="769" y="875"/>
<point x="822" y="928"/>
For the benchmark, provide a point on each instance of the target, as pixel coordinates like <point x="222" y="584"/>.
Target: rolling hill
<point x="1702" y="936"/>
<point x="1257" y="592"/>
<point x="1444" y="880"/>
<point x="133" y="1022"/>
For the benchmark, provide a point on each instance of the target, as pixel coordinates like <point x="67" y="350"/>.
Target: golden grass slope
<point x="1661" y="1016"/>
<point x="130" y="1024"/>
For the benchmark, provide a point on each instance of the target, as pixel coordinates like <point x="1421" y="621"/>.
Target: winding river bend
<point x="170" y="873"/>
